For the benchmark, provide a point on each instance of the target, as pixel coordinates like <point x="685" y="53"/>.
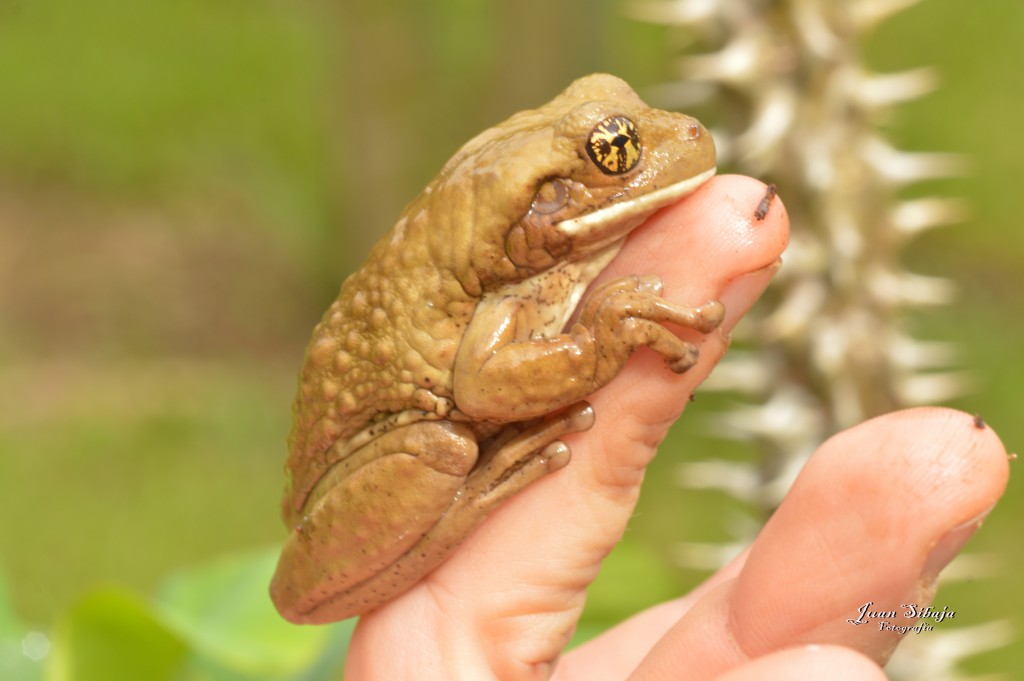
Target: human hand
<point x="874" y="516"/>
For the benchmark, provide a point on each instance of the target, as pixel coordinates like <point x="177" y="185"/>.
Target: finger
<point x="563" y="526"/>
<point x="706" y="248"/>
<point x="615" y="653"/>
<point x="834" y="663"/>
<point x="873" y="517"/>
<point x="721" y="253"/>
<point x="511" y="595"/>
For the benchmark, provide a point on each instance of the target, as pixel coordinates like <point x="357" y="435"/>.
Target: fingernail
<point x="946" y="549"/>
<point x="762" y="273"/>
<point x="741" y="292"/>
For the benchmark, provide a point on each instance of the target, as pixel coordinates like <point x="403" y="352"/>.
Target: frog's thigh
<point x="372" y="515"/>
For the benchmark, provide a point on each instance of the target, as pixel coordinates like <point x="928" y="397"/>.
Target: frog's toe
<point x="650" y="283"/>
<point x="579" y="417"/>
<point x="684" y="361"/>
<point x="556" y="455"/>
<point x="709" y="316"/>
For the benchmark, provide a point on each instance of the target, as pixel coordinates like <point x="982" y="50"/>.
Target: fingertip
<point x="728" y="206"/>
<point x="958" y="456"/>
<point x="708" y="239"/>
<point x="967" y="433"/>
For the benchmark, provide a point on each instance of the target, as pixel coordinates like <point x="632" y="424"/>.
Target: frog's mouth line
<point x="624" y="216"/>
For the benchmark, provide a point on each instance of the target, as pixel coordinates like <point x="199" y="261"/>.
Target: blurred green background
<point x="183" y="186"/>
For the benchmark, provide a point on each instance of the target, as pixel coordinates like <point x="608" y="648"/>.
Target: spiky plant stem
<point x="790" y="99"/>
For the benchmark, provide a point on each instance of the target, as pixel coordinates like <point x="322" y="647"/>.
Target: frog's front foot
<point x="626" y="313"/>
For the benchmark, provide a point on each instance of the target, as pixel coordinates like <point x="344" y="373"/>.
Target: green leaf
<point x="632" y="577"/>
<point x="224" y="612"/>
<point x="111" y="635"/>
<point x="21" y="651"/>
<point x="9" y="624"/>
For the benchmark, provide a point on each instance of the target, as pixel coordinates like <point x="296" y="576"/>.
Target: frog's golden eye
<point x="614" y="145"/>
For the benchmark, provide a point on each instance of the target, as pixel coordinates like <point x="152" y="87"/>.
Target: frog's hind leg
<point x="510" y="464"/>
<point x="507" y="466"/>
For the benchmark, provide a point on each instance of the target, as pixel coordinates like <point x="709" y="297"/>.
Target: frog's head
<point x="564" y="182"/>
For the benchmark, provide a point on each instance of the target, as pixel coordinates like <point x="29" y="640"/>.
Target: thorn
<point x="913" y="216"/>
<point x="876" y="91"/>
<point x="766" y="203"/>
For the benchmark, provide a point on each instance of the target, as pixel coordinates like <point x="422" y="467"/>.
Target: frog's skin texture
<point x="441" y="379"/>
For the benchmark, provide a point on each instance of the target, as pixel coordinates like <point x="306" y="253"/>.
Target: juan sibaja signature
<point x="910" y="611"/>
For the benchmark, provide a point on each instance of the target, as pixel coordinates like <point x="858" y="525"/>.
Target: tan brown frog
<point x="441" y="379"/>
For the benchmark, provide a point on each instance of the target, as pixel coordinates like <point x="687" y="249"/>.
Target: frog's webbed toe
<point x="705" y="318"/>
<point x="512" y="464"/>
<point x="649" y="284"/>
<point x="626" y="313"/>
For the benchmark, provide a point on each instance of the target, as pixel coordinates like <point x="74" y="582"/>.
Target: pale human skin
<point x="876" y="514"/>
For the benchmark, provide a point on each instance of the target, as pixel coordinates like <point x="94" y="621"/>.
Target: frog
<point x="453" y="363"/>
